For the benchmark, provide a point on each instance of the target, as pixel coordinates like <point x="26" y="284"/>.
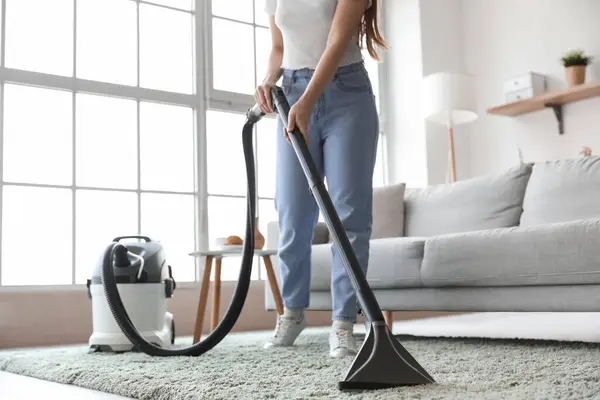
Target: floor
<point x="17" y="387"/>
<point x="554" y="326"/>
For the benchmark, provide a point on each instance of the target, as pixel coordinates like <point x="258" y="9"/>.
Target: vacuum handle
<point x="119" y="238"/>
<point x="282" y="106"/>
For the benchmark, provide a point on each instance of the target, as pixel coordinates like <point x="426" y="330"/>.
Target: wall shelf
<point x="553" y="100"/>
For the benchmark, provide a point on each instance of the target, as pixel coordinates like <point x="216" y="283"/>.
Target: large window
<point x="98" y="139"/>
<point x="124" y="117"/>
<point x="239" y="47"/>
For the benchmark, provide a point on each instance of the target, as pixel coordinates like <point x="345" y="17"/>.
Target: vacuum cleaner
<point x="137" y="278"/>
<point x="145" y="283"/>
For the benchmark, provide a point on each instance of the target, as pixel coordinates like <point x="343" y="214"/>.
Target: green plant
<point x="576" y="57"/>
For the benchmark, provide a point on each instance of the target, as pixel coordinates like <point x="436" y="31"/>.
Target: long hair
<point x="369" y="31"/>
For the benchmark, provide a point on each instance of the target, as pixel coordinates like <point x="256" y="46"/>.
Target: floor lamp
<point x="449" y="99"/>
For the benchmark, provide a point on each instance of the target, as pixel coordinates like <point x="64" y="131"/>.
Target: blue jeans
<point x="342" y="138"/>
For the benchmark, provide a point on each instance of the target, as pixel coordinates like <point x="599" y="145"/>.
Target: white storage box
<point x="519" y="95"/>
<point x="524" y="87"/>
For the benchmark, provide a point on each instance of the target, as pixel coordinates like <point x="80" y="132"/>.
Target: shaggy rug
<point x="238" y="368"/>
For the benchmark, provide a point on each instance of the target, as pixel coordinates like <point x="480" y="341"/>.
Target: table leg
<point x="216" y="298"/>
<point x="203" y="299"/>
<point x="273" y="284"/>
<point x="389" y="319"/>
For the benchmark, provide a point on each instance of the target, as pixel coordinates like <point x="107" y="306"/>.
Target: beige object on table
<point x="259" y="239"/>
<point x="217" y="256"/>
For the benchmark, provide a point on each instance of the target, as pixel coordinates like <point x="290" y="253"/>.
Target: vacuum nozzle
<point x="383" y="363"/>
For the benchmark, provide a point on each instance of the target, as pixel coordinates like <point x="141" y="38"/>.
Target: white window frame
<point x="383" y="132"/>
<point x="238" y="102"/>
<point x="225" y="101"/>
<point x="72" y="84"/>
<point x="221" y="99"/>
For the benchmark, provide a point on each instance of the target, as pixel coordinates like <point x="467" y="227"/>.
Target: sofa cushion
<point x="388" y="211"/>
<point x="486" y="202"/>
<point x="393" y="263"/>
<point x="320" y="234"/>
<point x="564" y="253"/>
<point x="562" y="190"/>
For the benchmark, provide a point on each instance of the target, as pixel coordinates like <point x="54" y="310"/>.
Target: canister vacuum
<point x="145" y="283"/>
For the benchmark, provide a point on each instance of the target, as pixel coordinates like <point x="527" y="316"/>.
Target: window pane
<point x="225" y="154"/>
<point x="240" y="10"/>
<point x="233" y="53"/>
<point x="266" y="138"/>
<point x="167" y="147"/>
<point x="263" y="50"/>
<point x="166" y="49"/>
<point x="379" y="174"/>
<point x="1" y="30"/>
<point x="372" y="67"/>
<point x="39" y="35"/>
<point x="169" y="219"/>
<point x="181" y="4"/>
<point x="38" y="138"/>
<point x="107" y="41"/>
<point x="106" y="130"/>
<point x="43" y="217"/>
<point x="226" y="217"/>
<point x="267" y="213"/>
<point x="101" y="216"/>
<point x="260" y="15"/>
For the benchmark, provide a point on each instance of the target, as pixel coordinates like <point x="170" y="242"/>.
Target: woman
<point x="315" y="46"/>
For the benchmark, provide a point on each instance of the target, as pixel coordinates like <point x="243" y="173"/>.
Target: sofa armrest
<point x="321" y="234"/>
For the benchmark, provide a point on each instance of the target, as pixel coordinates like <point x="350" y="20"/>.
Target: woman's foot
<point x="288" y="328"/>
<point x="341" y="339"/>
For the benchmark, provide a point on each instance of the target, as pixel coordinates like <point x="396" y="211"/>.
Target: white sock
<point x="343" y="325"/>
<point x="293" y="313"/>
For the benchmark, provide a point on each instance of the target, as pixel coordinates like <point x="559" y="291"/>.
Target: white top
<point x="305" y="25"/>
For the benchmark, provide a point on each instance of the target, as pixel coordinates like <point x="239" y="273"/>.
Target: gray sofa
<point x="526" y="239"/>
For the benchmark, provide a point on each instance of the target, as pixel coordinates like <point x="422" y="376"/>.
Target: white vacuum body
<point x="145" y="283"/>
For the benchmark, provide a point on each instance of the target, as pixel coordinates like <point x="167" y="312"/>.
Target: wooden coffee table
<point x="217" y="256"/>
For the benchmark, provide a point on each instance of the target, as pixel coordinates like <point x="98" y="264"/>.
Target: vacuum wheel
<point x="173" y="331"/>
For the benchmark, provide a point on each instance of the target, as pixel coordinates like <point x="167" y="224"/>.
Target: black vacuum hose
<point x="241" y="290"/>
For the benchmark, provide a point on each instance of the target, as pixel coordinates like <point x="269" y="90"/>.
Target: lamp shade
<point x="449" y="98"/>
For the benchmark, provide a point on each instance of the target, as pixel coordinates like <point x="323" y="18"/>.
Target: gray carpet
<point x="238" y="368"/>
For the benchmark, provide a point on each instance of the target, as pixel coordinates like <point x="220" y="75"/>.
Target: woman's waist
<point x="350" y="67"/>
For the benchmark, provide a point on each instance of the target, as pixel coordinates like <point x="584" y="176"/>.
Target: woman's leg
<point x="350" y="130"/>
<point x="298" y="216"/>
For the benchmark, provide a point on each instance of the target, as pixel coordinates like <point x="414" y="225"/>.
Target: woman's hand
<point x="298" y="118"/>
<point x="263" y="96"/>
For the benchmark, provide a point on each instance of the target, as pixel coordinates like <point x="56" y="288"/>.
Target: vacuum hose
<point x="241" y="290"/>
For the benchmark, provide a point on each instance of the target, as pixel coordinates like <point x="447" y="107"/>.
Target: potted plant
<point x="575" y="63"/>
